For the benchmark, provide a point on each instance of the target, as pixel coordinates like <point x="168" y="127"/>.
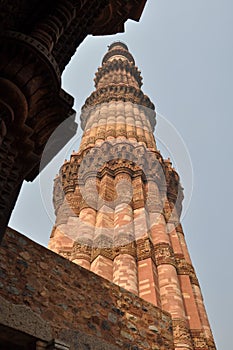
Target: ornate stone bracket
<point x="181" y="334"/>
<point x="164" y="254"/>
<point x="145" y="249"/>
<point x="184" y="268"/>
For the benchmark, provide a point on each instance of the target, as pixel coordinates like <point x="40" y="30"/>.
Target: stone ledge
<point x="68" y="300"/>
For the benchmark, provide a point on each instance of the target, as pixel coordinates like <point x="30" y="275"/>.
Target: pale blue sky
<point x="184" y="50"/>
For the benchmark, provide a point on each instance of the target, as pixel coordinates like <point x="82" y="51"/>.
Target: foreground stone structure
<point x="37" y="40"/>
<point x="118" y="203"/>
<point x="47" y="302"/>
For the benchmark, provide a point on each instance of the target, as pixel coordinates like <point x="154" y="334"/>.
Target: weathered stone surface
<point x="57" y="299"/>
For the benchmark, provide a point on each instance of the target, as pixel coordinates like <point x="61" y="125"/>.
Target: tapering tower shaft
<point x="118" y="203"/>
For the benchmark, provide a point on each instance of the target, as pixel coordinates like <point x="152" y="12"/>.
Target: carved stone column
<point x="49" y="30"/>
<point x="124" y="264"/>
<point x="102" y="254"/>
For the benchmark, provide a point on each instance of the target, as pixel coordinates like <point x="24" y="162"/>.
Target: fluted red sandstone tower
<point x="118" y="203"/>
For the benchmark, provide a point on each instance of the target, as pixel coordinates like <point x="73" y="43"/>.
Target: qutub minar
<point x="118" y="203"/>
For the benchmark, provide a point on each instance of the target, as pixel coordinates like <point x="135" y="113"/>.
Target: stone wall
<point x="49" y="297"/>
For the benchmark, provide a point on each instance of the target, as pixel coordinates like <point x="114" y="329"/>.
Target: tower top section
<point x="118" y="79"/>
<point x="118" y="50"/>
<point x="118" y="68"/>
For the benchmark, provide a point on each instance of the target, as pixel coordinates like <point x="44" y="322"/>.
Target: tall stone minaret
<point x="118" y="203"/>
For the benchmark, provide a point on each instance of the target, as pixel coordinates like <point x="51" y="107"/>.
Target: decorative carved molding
<point x="116" y="248"/>
<point x="34" y="47"/>
<point x="111" y="19"/>
<point x="120" y="63"/>
<point x="181" y="333"/>
<point x="127" y="153"/>
<point x="116" y="65"/>
<point x="120" y="248"/>
<point x="193" y="278"/>
<point x="184" y="268"/>
<point x="81" y="250"/>
<point x="145" y="249"/>
<point x="200" y="341"/>
<point x="106" y="252"/>
<point x="164" y="254"/>
<point x="65" y="253"/>
<point x="118" y="92"/>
